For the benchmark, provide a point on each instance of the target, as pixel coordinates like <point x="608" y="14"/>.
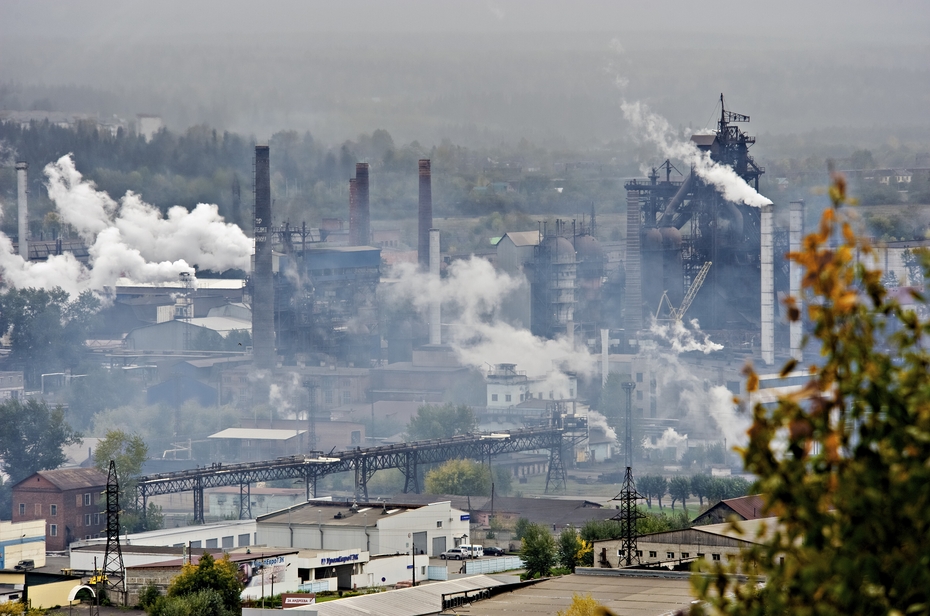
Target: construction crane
<point x="679" y="313"/>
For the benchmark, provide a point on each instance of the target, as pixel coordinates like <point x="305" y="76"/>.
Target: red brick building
<point x="70" y="500"/>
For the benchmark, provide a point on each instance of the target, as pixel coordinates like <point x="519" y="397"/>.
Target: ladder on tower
<point x="677" y="314"/>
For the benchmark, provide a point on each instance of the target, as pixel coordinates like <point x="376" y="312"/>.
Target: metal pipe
<point x="22" y="208"/>
<point x="767" y="258"/>
<point x="795" y="233"/>
<point x="435" y="308"/>
<point x="605" y="362"/>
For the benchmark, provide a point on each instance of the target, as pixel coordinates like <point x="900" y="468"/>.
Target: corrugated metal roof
<point x="260" y="434"/>
<point x="523" y="238"/>
<point x="222" y="325"/>
<point x="425" y="599"/>
<point x="72" y="478"/>
<point x="748" y="507"/>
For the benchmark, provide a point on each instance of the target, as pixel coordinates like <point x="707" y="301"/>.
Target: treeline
<point x="679" y="489"/>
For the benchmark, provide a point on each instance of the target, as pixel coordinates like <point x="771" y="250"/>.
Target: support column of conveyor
<point x="767" y="259"/>
<point x="411" y="473"/>
<point x="245" y="501"/>
<point x="363" y="473"/>
<point x="795" y="233"/>
<point x="198" y="502"/>
<point x="310" y="482"/>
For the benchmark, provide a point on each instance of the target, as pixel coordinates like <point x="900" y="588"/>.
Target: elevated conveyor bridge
<point x="562" y="431"/>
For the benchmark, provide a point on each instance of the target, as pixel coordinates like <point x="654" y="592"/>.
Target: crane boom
<point x="679" y="313"/>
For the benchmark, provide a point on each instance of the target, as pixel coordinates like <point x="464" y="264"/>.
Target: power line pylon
<point x="113" y="569"/>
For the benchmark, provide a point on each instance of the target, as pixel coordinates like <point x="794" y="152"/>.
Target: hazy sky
<point x="480" y="70"/>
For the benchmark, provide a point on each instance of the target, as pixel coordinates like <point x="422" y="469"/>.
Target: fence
<point x="494" y="565"/>
<point x="437" y="573"/>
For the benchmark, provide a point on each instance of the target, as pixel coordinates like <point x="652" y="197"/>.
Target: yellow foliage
<point x="583" y="605"/>
<point x="15" y="608"/>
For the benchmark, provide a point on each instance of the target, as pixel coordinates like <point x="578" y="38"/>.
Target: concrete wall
<point x="389" y="570"/>
<point x="20" y="541"/>
<point x="45" y="596"/>
<point x="672" y="547"/>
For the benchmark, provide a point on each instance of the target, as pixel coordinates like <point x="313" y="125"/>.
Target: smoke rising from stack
<point x="425" y="218"/>
<point x="471" y="295"/>
<point x="657" y="130"/>
<point x="127" y="238"/>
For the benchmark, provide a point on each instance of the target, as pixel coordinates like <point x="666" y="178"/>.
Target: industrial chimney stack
<point x="23" y="209"/>
<point x="361" y="191"/>
<point x="353" y="212"/>
<point x="768" y="285"/>
<point x="426" y="214"/>
<point x="435" y="308"/>
<point x="262" y="276"/>
<point x="795" y="235"/>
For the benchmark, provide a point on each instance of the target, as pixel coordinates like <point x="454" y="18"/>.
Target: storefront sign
<point x="338" y="560"/>
<point x="297" y="599"/>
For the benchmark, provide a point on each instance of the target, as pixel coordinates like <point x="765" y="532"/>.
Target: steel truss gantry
<point x="408" y="457"/>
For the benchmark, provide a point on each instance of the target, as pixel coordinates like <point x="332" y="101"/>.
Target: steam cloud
<point x="656" y="129"/>
<point x="129" y="238"/>
<point x="684" y="340"/>
<point x="471" y="296"/>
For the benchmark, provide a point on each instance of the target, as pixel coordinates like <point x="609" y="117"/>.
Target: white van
<point x="473" y="551"/>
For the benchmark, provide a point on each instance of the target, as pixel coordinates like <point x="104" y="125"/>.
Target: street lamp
<point x="273" y="574"/>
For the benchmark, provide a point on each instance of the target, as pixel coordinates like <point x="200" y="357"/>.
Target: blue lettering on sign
<point x="410" y="566"/>
<point x="464" y="518"/>
<point x="335" y="560"/>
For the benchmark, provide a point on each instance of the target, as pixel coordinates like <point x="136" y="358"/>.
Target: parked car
<point x="493" y="551"/>
<point x="25" y="565"/>
<point x="472" y="551"/>
<point x="454" y="554"/>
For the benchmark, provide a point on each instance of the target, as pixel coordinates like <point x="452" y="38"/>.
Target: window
<point x="506" y="397"/>
<point x="53" y="509"/>
<point x="571" y="392"/>
<point x="639" y="377"/>
<point x="621" y="552"/>
<point x="670" y="554"/>
<point x="356" y="437"/>
<point x="493" y="397"/>
<point x="653" y="554"/>
<point x="346" y="397"/>
<point x="87" y="499"/>
<point x="22" y="509"/>
<point x="86" y="519"/>
<point x="38" y="508"/>
<point x="53" y="530"/>
<point x="96" y="519"/>
<point x="328" y="396"/>
<point x="700" y="554"/>
<point x="639" y="553"/>
<point x="715" y="556"/>
<point x="438" y="523"/>
<point x="686" y="554"/>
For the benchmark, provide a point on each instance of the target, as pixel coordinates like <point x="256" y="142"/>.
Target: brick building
<point x="70" y="500"/>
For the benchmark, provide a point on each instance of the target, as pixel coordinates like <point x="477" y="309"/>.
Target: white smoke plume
<point x="129" y="238"/>
<point x="683" y="340"/>
<point x="657" y="130"/>
<point x="471" y="296"/>
<point x="596" y="420"/>
<point x="669" y="438"/>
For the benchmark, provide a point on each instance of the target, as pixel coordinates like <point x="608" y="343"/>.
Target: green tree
<point x="843" y="463"/>
<point x="47" y="329"/>
<point x="219" y="577"/>
<point x="537" y="551"/>
<point x="462" y="477"/>
<point x="31" y="439"/>
<point x="679" y="488"/>
<point x="129" y="452"/>
<point x="441" y="421"/>
<point x="700" y="483"/>
<point x="519" y="528"/>
<point x="571" y="549"/>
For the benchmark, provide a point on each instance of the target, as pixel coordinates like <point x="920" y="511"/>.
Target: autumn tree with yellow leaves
<point x="844" y="464"/>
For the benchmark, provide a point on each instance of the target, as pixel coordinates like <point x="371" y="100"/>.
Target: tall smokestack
<point x="262" y="276"/>
<point x="795" y="233"/>
<point x="353" y="212"/>
<point x="23" y="209"/>
<point x="633" y="302"/>
<point x="605" y="356"/>
<point x="426" y="214"/>
<point x="435" y="308"/>
<point x="768" y="285"/>
<point x="364" y="219"/>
